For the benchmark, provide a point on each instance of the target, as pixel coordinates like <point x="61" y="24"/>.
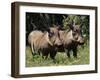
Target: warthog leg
<point x="75" y="52"/>
<point x="67" y="51"/>
<point x="45" y="55"/>
<point x="52" y="55"/>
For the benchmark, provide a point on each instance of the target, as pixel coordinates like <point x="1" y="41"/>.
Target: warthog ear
<point x="71" y="26"/>
<point x="54" y="25"/>
<point x="58" y="27"/>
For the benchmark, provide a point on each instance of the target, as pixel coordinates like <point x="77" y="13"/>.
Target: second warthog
<point x="70" y="38"/>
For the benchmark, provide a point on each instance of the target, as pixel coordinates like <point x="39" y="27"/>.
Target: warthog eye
<point x="51" y="34"/>
<point x="75" y="36"/>
<point x="75" y="30"/>
<point x="74" y="33"/>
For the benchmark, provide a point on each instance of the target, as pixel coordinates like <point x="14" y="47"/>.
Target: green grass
<point x="61" y="58"/>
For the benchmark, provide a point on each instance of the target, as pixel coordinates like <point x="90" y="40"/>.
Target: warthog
<point x="70" y="39"/>
<point x="44" y="42"/>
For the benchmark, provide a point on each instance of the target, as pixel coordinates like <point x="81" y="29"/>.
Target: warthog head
<point x="54" y="36"/>
<point x="76" y="33"/>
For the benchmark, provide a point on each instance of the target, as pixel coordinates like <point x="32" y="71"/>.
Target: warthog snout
<point x="81" y="40"/>
<point x="58" y="42"/>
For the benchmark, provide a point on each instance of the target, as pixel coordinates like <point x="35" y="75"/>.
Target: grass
<point x="61" y="58"/>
